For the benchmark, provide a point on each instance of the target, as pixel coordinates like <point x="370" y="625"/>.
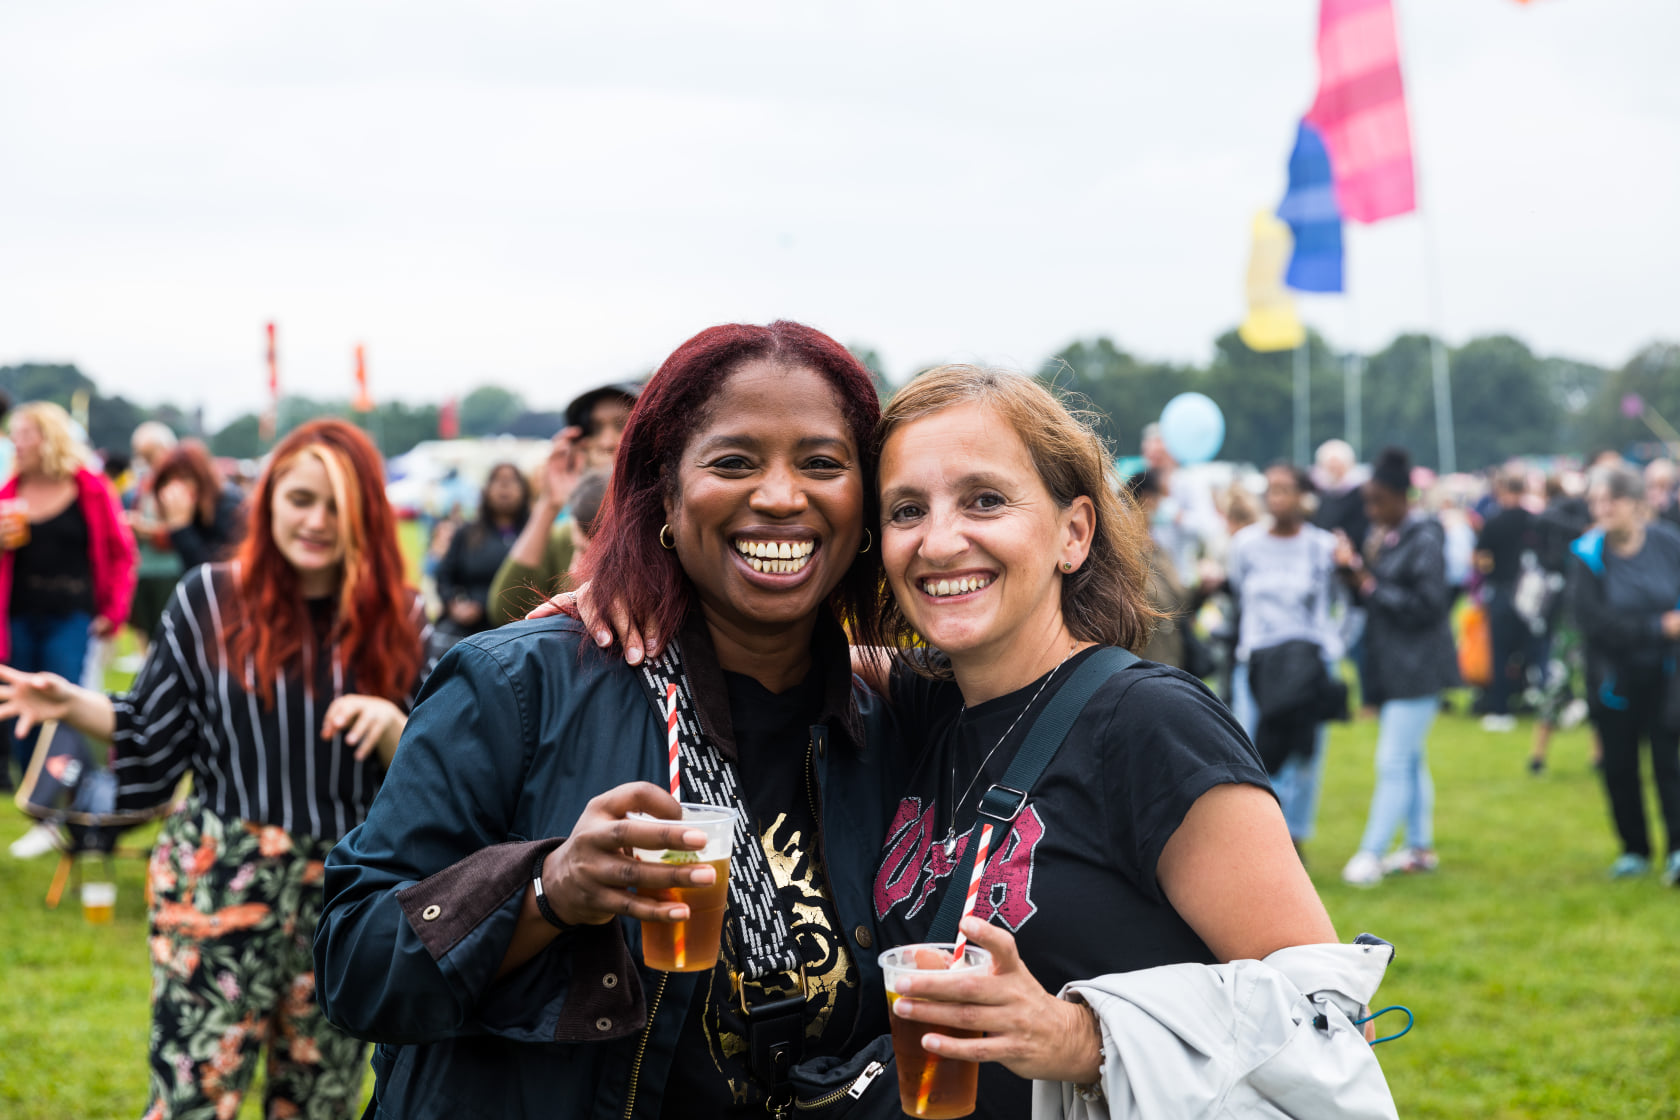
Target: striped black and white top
<point x="267" y="765"/>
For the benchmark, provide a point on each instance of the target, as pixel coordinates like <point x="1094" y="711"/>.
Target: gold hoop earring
<point x="868" y="542"/>
<point x="663" y="529"/>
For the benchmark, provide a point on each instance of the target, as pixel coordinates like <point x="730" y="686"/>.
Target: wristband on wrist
<point x="543" y="907"/>
<point x="1093" y="1091"/>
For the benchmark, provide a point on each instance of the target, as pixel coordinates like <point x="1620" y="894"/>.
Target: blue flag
<point x="1309" y="206"/>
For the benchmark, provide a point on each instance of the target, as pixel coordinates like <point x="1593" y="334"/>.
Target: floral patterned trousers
<point x="233" y="913"/>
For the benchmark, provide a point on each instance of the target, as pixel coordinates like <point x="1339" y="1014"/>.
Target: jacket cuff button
<point x="431" y="912"/>
<point x="610" y="980"/>
<point x="603" y="1024"/>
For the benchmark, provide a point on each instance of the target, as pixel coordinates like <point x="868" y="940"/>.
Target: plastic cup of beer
<point x="14" y="512"/>
<point x="691" y="945"/>
<point x="930" y="1086"/>
<point x="99" y="903"/>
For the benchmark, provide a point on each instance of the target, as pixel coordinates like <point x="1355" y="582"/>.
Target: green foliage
<point x="488" y="410"/>
<point x="1507" y="400"/>
<point x="1654" y="375"/>
<point x="1128" y="393"/>
<point x="870" y="358"/>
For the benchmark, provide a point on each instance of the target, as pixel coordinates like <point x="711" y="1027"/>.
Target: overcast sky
<point x="549" y="195"/>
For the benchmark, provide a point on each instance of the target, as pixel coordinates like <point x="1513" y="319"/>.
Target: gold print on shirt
<point x="802" y="893"/>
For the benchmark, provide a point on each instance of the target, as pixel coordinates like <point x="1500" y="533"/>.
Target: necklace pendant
<point x="950" y="842"/>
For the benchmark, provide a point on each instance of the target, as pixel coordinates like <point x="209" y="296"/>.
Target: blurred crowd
<point x="1276" y="579"/>
<point x="1551" y="590"/>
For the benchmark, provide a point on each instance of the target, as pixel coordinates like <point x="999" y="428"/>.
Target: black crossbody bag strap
<point x="1003" y="802"/>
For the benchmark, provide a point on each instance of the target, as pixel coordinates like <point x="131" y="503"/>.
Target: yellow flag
<point x="1271" y="323"/>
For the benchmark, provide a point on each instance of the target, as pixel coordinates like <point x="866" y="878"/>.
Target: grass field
<point x="1540" y="988"/>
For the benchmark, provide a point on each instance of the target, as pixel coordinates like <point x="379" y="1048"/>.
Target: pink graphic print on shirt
<point x="915" y="865"/>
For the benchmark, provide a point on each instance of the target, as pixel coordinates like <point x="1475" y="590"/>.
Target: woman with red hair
<point x="485" y="923"/>
<point x="280" y="682"/>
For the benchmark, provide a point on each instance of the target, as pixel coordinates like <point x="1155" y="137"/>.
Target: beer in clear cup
<point x="931" y="1087"/>
<point x="691" y="945"/>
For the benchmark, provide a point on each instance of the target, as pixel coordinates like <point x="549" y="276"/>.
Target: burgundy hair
<point x="625" y="560"/>
<point x="191" y="462"/>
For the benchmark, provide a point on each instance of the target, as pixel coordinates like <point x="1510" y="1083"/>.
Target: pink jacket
<point x="112" y="556"/>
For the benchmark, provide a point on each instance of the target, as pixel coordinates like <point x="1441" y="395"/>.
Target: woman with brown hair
<point x="1152" y="837"/>
<point x="280" y="682"/>
<point x="201" y="512"/>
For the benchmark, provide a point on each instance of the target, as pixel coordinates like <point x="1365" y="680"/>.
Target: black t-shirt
<point x="710" y="1074"/>
<point x="1646" y="583"/>
<point x="1074" y="878"/>
<point x="51" y="575"/>
<point x="1505" y="537"/>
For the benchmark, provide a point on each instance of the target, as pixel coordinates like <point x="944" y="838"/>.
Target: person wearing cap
<point x="542" y="554"/>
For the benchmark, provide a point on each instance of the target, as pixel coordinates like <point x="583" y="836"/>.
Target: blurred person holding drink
<point x="66" y="562"/>
<point x="280" y="682"/>
<point x="491" y="922"/>
<point x="541" y="556"/>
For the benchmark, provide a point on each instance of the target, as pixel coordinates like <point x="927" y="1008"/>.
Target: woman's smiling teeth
<point x="776" y="557"/>
<point x="941" y="587"/>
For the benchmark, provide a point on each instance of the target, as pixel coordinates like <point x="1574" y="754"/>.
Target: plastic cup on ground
<point x="931" y="1087"/>
<point x="691" y="945"/>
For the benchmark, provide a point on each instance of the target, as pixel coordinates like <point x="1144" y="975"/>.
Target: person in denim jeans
<point x="1400" y="579"/>
<point x="1281" y="575"/>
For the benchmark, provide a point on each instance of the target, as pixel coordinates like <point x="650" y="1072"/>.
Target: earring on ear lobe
<point x="664" y="529"/>
<point x="1067" y="565"/>
<point x="868" y="542"/>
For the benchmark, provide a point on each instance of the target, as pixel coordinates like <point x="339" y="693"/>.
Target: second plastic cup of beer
<point x="15" y="513"/>
<point x="691" y="945"/>
<point x="931" y="1087"/>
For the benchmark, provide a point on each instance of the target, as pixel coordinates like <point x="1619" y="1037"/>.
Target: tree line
<point x="1507" y="400"/>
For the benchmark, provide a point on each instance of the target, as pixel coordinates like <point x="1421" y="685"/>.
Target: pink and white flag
<point x="1360" y="110"/>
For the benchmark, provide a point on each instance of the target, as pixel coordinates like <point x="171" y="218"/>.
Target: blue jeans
<point x="1297" y="782"/>
<point x="1404" y="790"/>
<point x="46" y="643"/>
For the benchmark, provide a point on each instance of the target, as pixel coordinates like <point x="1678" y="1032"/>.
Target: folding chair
<point x="66" y="786"/>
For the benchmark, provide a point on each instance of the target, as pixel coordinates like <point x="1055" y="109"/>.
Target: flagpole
<point x="1441" y="375"/>
<point x="1303" y="404"/>
<point x="1353" y="375"/>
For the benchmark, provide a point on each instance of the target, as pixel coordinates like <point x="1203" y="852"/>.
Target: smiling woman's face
<point x="305" y="524"/>
<point x="971" y="537"/>
<point x="768" y="510"/>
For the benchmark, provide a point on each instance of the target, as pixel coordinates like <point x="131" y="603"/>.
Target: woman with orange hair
<point x="281" y="681"/>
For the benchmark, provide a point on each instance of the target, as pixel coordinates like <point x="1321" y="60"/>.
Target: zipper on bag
<point x="855" y="1090"/>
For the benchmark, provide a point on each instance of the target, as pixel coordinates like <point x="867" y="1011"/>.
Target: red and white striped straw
<point x="671" y="739"/>
<point x="973" y="891"/>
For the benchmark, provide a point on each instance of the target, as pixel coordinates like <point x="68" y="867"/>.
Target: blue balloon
<point x="1192" y="427"/>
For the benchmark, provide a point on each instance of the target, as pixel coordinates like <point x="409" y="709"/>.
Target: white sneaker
<point x="1499" y="723"/>
<point x="38" y="841"/>
<point x="1363" y="870"/>
<point x="1410" y="861"/>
